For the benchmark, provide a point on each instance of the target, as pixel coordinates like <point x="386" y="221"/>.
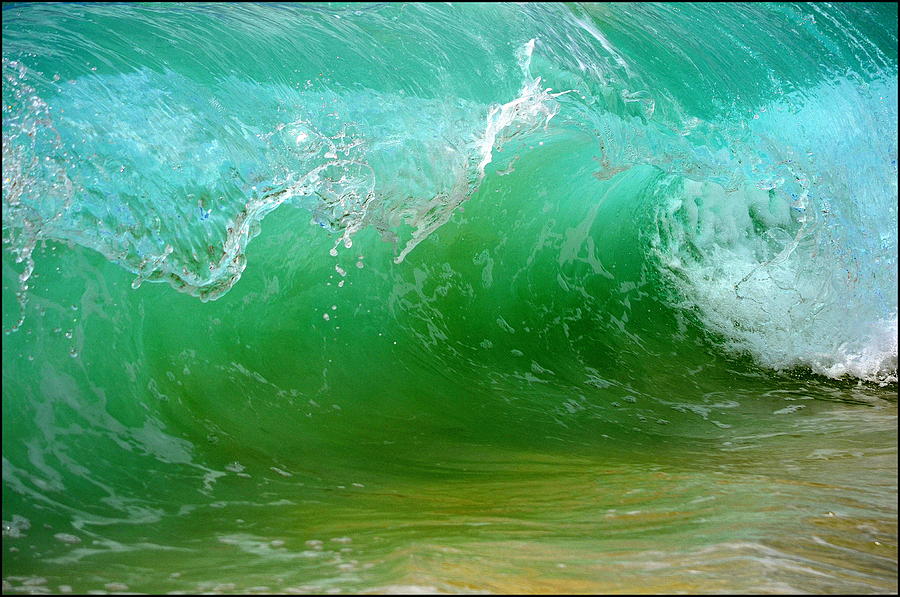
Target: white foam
<point x="797" y="263"/>
<point x="776" y="295"/>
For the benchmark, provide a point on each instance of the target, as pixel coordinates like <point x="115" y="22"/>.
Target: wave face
<point x="432" y="242"/>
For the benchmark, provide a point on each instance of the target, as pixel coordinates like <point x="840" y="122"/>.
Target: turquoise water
<point x="450" y="298"/>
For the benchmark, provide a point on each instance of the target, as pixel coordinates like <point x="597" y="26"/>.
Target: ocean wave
<point x="774" y="227"/>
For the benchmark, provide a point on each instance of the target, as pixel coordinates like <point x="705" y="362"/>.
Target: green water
<point x="426" y="325"/>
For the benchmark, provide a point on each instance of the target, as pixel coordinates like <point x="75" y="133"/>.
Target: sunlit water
<point x="457" y="298"/>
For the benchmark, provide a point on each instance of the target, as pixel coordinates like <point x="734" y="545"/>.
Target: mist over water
<point x="450" y="298"/>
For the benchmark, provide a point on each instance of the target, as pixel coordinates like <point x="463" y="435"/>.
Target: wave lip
<point x="776" y="238"/>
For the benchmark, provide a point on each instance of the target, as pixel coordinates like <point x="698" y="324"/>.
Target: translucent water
<point x="455" y="298"/>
